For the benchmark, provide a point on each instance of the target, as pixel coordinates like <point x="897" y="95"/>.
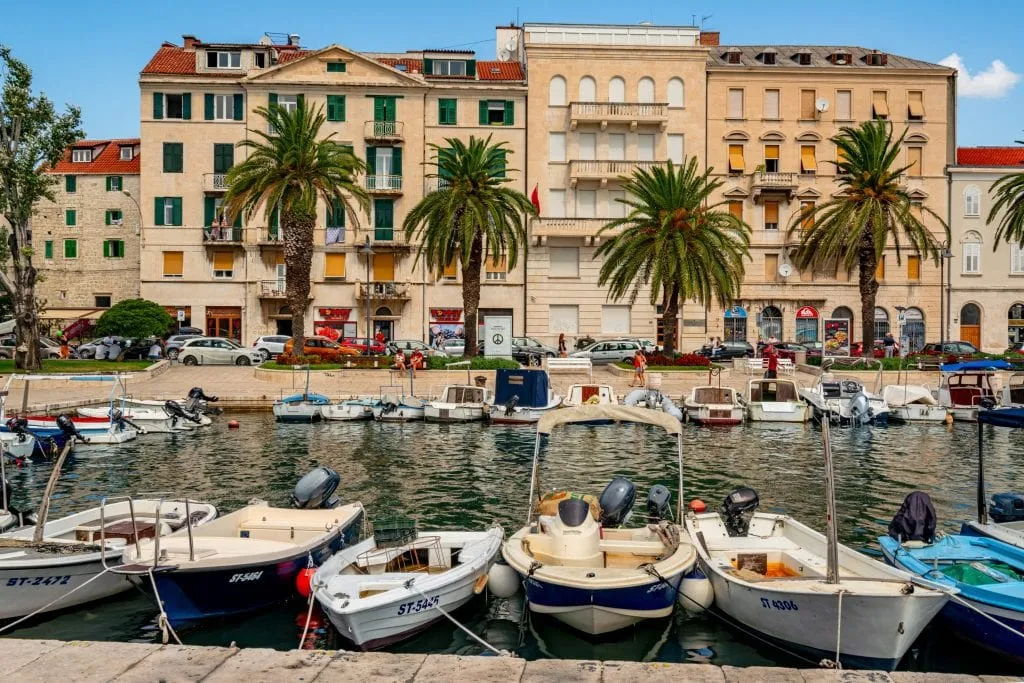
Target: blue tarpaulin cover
<point x="1003" y="417"/>
<point x="531" y="386"/>
<point x="982" y="365"/>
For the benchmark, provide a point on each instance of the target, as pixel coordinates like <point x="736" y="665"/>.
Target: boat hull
<point x="284" y="412"/>
<point x="519" y="416"/>
<point x="917" y="413"/>
<point x="779" y="412"/>
<point x="18" y="445"/>
<point x="722" y="417"/>
<point x="402" y="413"/>
<point x="23" y="590"/>
<point x="452" y="413"/>
<point x="347" y="412"/>
<point x="1014" y="535"/>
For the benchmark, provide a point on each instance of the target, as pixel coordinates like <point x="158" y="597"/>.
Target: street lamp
<point x="946" y="262"/>
<point x="367" y="250"/>
<point x="128" y="194"/>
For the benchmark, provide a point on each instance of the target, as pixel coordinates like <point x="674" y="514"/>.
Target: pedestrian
<point x="563" y="349"/>
<point x="400" y="361"/>
<point x="416" y="361"/>
<point x="772" y="372"/>
<point x="65" y="352"/>
<point x="889" y="343"/>
<point x="155" y="351"/>
<point x="716" y="347"/>
<point x="380" y="339"/>
<point x="639" y="368"/>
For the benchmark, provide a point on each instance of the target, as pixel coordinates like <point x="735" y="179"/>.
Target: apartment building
<point x="197" y="104"/>
<point x="985" y="278"/>
<point x="86" y="240"/>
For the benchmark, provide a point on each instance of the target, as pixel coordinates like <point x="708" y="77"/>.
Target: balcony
<point x="435" y="184"/>
<point x="380" y="131"/>
<point x="605" y="170"/>
<point x="774" y="183"/>
<point x="384" y="184"/>
<point x="384" y="291"/>
<point x="272" y="289"/>
<point x="219" y="236"/>
<point x="603" y="113"/>
<point x="271" y="237"/>
<point x="215" y="182"/>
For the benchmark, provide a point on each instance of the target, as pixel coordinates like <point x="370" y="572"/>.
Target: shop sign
<point x="837" y="337"/>
<point x="335" y="314"/>
<point x="446" y="315"/>
<point x="805" y="312"/>
<point x="736" y="312"/>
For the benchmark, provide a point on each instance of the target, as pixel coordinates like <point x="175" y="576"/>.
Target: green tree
<point x="472" y="210"/>
<point x="33" y="137"/>
<point x="674" y="241"/>
<point x="872" y="209"/>
<point x="1008" y="193"/>
<point x="287" y="170"/>
<point x="134" y="318"/>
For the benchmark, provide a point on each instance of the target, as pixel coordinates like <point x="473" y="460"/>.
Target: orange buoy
<point x="698" y="505"/>
<point x="304" y="580"/>
<point x="315" y="622"/>
<point x="234" y="424"/>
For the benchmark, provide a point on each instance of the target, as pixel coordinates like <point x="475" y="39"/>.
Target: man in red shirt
<point x="772" y="371"/>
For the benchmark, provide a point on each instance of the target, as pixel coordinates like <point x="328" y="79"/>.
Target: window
<point x="556" y="92"/>
<point x="645" y="147"/>
<point x="771" y="215"/>
<point x="586" y="144"/>
<point x="807" y="108"/>
<point x="771" y="104"/>
<point x="840" y="161"/>
<point x="914" y="161"/>
<point x="334" y="266"/>
<point x="336" y="67"/>
<point x="223" y="157"/>
<point x="113" y="248"/>
<point x="174" y="157"/>
<point x="617" y="146"/>
<point x="645" y="90"/>
<point x="384" y="267"/>
<point x="806" y="215"/>
<point x="287" y="102"/>
<point x="769" y="58"/>
<point x="222" y="107"/>
<point x="675" y="149"/>
<point x="167" y="211"/>
<point x="733" y="56"/>
<point x="913" y="268"/>
<point x="224" y="60"/>
<point x="771" y="158"/>
<point x="447" y="112"/>
<point x="880" y="270"/>
<point x="114" y="217"/>
<point x="556" y="203"/>
<point x="451" y="271"/>
<point x="448" y="67"/>
<point x="497" y="113"/>
<point x="497" y="269"/>
<point x="588" y="89"/>
<point x="879" y="104"/>
<point x="616" y="208"/>
<point x="736" y="209"/>
<point x="771" y="267"/>
<point x="101" y="300"/>
<point x="70" y="248"/>
<point x="335" y="233"/>
<point x="174" y="106"/>
<point x="173" y="263"/>
<point x="617" y="90"/>
<point x="114" y="183"/>
<point x="972" y="201"/>
<point x="736" y="158"/>
<point x="563" y="318"/>
<point x="48" y="249"/>
<point x="972" y="253"/>
<point x="127" y="153"/>
<point x="808" y="161"/>
<point x="70" y="183"/>
<point x="79" y="156"/>
<point x="615" y="319"/>
<point x="586" y="203"/>
<point x="556" y="147"/>
<point x="844" y="108"/>
<point x="915" y="105"/>
<point x="735" y="104"/>
<point x="803" y="58"/>
<point x="383" y="219"/>
<point x="1016" y="260"/>
<point x="564" y="262"/>
<point x="223" y="265"/>
<point x="260" y="60"/>
<point x="881" y="322"/>
<point x="676" y="93"/>
<point x="70" y="217"/>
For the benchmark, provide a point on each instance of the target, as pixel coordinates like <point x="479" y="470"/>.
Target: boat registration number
<point x="248" y="576"/>
<point x="39" y="581"/>
<point x="418" y="605"/>
<point x="781" y="605"/>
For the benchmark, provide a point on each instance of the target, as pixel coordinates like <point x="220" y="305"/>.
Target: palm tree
<point x="872" y="208"/>
<point x="471" y="210"/>
<point x="1008" y="192"/>
<point x="286" y="171"/>
<point x="674" y="241"/>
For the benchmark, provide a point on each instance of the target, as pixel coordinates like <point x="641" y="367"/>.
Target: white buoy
<point x="696" y="593"/>
<point x="502" y="580"/>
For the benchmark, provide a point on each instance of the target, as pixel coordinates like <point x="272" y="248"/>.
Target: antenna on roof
<point x="705" y="18"/>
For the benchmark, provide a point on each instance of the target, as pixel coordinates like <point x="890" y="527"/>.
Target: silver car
<point x="613" y="351"/>
<point x="270" y="345"/>
<point x="409" y="345"/>
<point x="211" y="350"/>
<point x="529" y="345"/>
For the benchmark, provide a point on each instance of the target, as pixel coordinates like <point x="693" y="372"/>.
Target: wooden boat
<point x="522" y="396"/>
<point x="459" y="403"/>
<point x="776" y="400"/>
<point x="710" y="405"/>
<point x="377" y="594"/>
<point x="913" y="403"/>
<point x="965" y="385"/>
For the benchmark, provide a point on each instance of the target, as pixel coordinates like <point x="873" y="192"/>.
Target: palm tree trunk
<point x="298" y="258"/>
<point x="471" y="292"/>
<point x="868" y="292"/>
<point x="670" y="320"/>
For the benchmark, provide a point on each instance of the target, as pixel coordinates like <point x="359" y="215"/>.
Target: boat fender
<point x="696" y="592"/>
<point x="669" y="406"/>
<point x="698" y="506"/>
<point x="481" y="583"/>
<point x="634" y="397"/>
<point x="502" y="580"/>
<point x="304" y="581"/>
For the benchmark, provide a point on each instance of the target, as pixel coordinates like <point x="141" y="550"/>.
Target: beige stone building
<point x="986" y="279"/>
<point x="86" y="241"/>
<point x="197" y="103"/>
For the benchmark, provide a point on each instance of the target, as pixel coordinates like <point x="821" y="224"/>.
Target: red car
<point x="365" y="346"/>
<point x="857" y="348"/>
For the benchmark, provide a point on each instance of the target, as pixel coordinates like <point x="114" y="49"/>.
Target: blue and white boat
<point x="352" y="410"/>
<point x="305" y="407"/>
<point x="1004" y="519"/>
<point x="577" y="564"/>
<point x="522" y="396"/>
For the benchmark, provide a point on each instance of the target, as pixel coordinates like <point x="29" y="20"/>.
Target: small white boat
<point x="1013" y="392"/>
<point x="459" y="403"/>
<point x="913" y="403"/>
<point x="376" y="595"/>
<point x="305" y="407"/>
<point x="776" y="400"/>
<point x="152" y="421"/>
<point x="710" y="405"/>
<point x="590" y="394"/>
<point x="399" y="408"/>
<point x="965" y="385"/>
<point x="17" y="444"/>
<point x="93" y="430"/>
<point x="349" y="411"/>
<point x="522" y="396"/>
<point x="845" y="402"/>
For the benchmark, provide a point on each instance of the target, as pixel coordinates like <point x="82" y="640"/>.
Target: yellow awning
<point x="880" y="105"/>
<point x="808" y="164"/>
<point x="223" y="260"/>
<point x="771" y="151"/>
<point x="334" y="265"/>
<point x="452" y="269"/>
<point x="771" y="212"/>
<point x="497" y="266"/>
<point x="916" y="105"/>
<point x="736" y="158"/>
<point x="913" y="267"/>
<point x="71" y="313"/>
<point x="736" y="209"/>
<point x="174" y="263"/>
<point x="383" y="267"/>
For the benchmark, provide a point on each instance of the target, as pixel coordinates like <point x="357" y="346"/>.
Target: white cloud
<point x="994" y="82"/>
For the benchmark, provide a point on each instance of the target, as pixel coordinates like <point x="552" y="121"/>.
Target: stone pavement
<point x="54" y="661"/>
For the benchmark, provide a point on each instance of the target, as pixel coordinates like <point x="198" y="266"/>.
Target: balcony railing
<point x="271" y="236"/>
<point x="272" y="289"/>
<point x="434" y="184"/>
<point x="605" y="170"/>
<point x="222" y="235"/>
<point x="215" y="182"/>
<point x="570" y="227"/>
<point x="383" y="130"/>
<point x="383" y="291"/>
<point x="384" y="184"/>
<point x="633" y="113"/>
<point x="762" y="182"/>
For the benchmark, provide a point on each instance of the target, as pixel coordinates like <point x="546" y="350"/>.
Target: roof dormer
<point x="769" y="56"/>
<point x="733" y="55"/>
<point x="876" y="58"/>
<point x="802" y="57"/>
<point x="841" y="58"/>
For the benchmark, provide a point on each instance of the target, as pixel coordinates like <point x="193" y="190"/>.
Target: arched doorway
<point x="383" y="323"/>
<point x="769" y="323"/>
<point x="283" y="318"/>
<point x="806" y="325"/>
<point x="970" y="325"/>
<point x="881" y="323"/>
<point x="913" y="329"/>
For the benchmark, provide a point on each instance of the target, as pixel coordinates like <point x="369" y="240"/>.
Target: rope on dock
<point x="501" y="653"/>
<point x="837" y="663"/>
<point x="162" y="621"/>
<point x="52" y="602"/>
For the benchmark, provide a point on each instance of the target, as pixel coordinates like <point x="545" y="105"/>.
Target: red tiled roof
<point x="171" y="59"/>
<point x="106" y="162"/>
<point x="990" y="156"/>
<point x="286" y="55"/>
<point x="499" y="71"/>
<point x="411" y="65"/>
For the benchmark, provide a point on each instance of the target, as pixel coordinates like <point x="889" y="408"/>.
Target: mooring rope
<point x="501" y="653"/>
<point x="312" y="599"/>
<point x="162" y="621"/>
<point x="53" y="602"/>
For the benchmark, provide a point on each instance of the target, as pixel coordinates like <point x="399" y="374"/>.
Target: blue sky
<point x="90" y="53"/>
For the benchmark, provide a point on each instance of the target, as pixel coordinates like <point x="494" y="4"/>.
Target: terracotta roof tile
<point x="284" y="56"/>
<point x="499" y="71"/>
<point x="990" y="156"/>
<point x="411" y="65"/>
<point x="171" y="59"/>
<point x="106" y="162"/>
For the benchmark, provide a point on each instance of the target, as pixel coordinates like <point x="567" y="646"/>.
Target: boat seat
<point x="748" y="544"/>
<point x="624" y="547"/>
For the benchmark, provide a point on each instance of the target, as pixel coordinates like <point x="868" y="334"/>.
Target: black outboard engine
<point x="1007" y="507"/>
<point x="510" y="405"/>
<point x="659" y="504"/>
<point x="915" y="520"/>
<point x="68" y="428"/>
<point x="117" y="417"/>
<point x="316" y="490"/>
<point x="987" y="402"/>
<point x="735" y="506"/>
<point x="197" y="402"/>
<point x="616" y="501"/>
<point x="19" y="426"/>
<point x="174" y="410"/>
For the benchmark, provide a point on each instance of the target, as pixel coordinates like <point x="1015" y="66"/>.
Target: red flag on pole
<point x="535" y="199"/>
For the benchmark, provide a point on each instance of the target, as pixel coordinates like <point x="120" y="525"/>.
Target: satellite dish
<point x="821" y="104"/>
<point x="504" y="55"/>
<point x="785" y="270"/>
<point x="510" y="44"/>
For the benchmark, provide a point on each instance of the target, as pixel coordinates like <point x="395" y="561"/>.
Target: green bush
<point x="476" y="363"/>
<point x="134" y="318"/>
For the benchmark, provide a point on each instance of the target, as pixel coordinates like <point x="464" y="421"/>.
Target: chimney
<point x="709" y="38"/>
<point x="190" y="41"/>
<point x="293" y="39"/>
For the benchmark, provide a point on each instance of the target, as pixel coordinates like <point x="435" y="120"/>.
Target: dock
<point x="87" y="662"/>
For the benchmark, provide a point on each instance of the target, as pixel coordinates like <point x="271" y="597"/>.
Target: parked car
<point x="728" y="350"/>
<point x="453" y="347"/>
<point x="878" y="351"/>
<point x="174" y="344"/>
<point x="409" y="345"/>
<point x="270" y="345"/>
<point x="608" y="351"/>
<point x="786" y="350"/>
<point x="365" y="346"/>
<point x="329" y="350"/>
<point x="47" y="347"/>
<point x="955" y="348"/>
<point x="646" y="344"/>
<point x="211" y="350"/>
<point x="192" y="331"/>
<point x="530" y="346"/>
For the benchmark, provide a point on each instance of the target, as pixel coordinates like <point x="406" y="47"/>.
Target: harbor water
<point x="470" y="476"/>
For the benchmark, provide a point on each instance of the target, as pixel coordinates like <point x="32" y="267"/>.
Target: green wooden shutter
<point x="275" y="221"/>
<point x="158" y="214"/>
<point x="471" y="68"/>
<point x="186" y="105"/>
<point x="379" y="109"/>
<point x="119" y="244"/>
<point x="483" y="112"/>
<point x="391" y="108"/>
<point x="107" y="217"/>
<point x="335" y="107"/>
<point x="108" y="183"/>
<point x="239" y="106"/>
<point x="48" y="249"/>
<point x="428" y="66"/>
<point x="272" y="99"/>
<point x="339" y="214"/>
<point x="209" y="207"/>
<point x="69" y="217"/>
<point x="336" y="67"/>
<point x="70" y="183"/>
<point x="396" y="161"/>
<point x="238" y="223"/>
<point x="158" y="105"/>
<point x="70" y="248"/>
<point x="176" y="210"/>
<point x="510" y="113"/>
<point x="371" y="161"/>
<point x="341" y="107"/>
<point x="106" y="248"/>
<point x="208" y="106"/>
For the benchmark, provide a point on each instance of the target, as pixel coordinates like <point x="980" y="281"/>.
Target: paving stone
<point x="761" y="674"/>
<point x="1001" y="679"/>
<point x="176" y="663"/>
<point x="477" y="669"/>
<point x="82" y="662"/>
<point x="918" y="677"/>
<point x="847" y="676"/>
<point x="17" y="652"/>
<point x="560" y="671"/>
<point x="371" y="667"/>
<point x="259" y="665"/>
<point x="661" y="672"/>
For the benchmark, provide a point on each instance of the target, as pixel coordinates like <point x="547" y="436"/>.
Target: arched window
<point x="556" y="92"/>
<point x="769" y="323"/>
<point x="588" y="89"/>
<point x="616" y="90"/>
<point x="676" y="93"/>
<point x="913" y="329"/>
<point x="972" y="201"/>
<point x="881" y="322"/>
<point x="972" y="252"/>
<point x="645" y="90"/>
<point x="1015" y="324"/>
<point x="383" y="311"/>
<point x="970" y="314"/>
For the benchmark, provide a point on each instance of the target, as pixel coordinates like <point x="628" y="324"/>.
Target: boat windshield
<point x="464" y="395"/>
<point x="712" y="395"/>
<point x="771" y="391"/>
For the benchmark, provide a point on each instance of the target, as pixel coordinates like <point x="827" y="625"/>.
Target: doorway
<point x="382" y="325"/>
<point x="970" y="325"/>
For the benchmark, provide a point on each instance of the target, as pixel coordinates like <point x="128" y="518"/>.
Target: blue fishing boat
<point x="522" y="396"/>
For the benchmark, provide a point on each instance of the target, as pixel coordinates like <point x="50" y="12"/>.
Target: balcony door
<point x="645" y="150"/>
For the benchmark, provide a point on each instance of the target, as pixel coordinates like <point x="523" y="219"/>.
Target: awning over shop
<point x="72" y="313"/>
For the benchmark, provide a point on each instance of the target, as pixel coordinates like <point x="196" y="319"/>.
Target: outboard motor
<point x="316" y="490"/>
<point x="117" y="417"/>
<point x="197" y="402"/>
<point x="987" y="402"/>
<point x="19" y="426"/>
<point x="735" y="506"/>
<point x="174" y="410"/>
<point x="1007" y="507"/>
<point x="616" y="502"/>
<point x="510" y="405"/>
<point x="860" y="409"/>
<point x="915" y="520"/>
<point x="659" y="504"/>
<point x="68" y="428"/>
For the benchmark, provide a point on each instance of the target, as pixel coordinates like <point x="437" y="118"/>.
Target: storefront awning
<point x="72" y="313"/>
